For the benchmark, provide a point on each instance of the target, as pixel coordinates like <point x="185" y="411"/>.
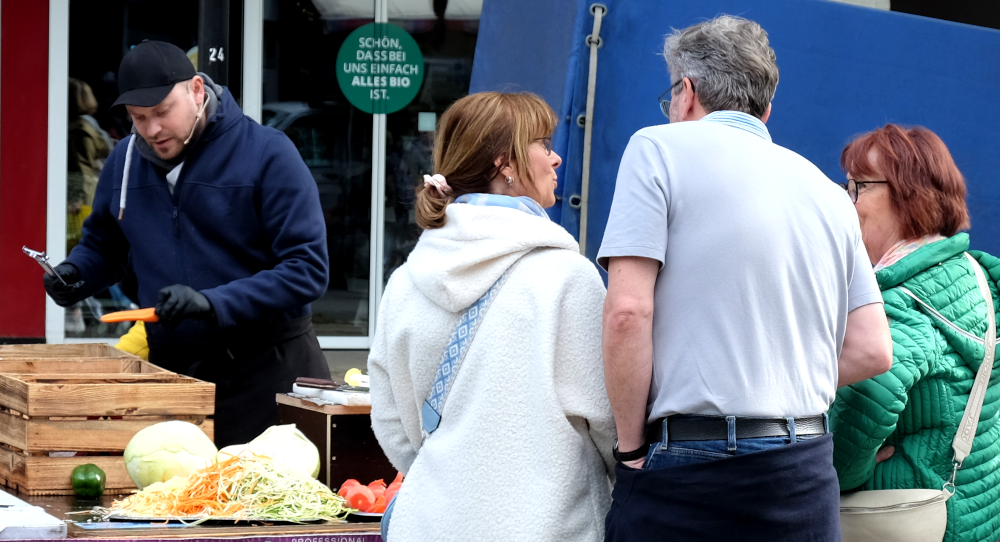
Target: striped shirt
<point x="740" y="120"/>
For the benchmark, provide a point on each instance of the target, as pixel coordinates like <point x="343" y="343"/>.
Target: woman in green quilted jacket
<point x="894" y="431"/>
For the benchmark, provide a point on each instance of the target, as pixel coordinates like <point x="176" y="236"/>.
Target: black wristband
<point x="629" y="456"/>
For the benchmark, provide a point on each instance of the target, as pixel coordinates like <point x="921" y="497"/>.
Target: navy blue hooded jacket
<point x="243" y="226"/>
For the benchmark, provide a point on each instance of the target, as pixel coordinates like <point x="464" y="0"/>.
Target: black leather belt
<point x="717" y="428"/>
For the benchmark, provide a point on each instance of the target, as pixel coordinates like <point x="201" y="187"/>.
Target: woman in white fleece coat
<point x="523" y="449"/>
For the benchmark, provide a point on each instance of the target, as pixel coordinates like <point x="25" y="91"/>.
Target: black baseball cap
<point x="149" y="72"/>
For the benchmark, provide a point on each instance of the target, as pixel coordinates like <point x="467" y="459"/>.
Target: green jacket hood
<point x="921" y="259"/>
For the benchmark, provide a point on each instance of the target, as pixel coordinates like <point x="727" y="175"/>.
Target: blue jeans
<point x="688" y="452"/>
<point x="386" y="517"/>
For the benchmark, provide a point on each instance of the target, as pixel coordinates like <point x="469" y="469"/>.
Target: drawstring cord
<point x="128" y="166"/>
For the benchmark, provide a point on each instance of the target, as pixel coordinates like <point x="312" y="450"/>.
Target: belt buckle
<point x="731" y="433"/>
<point x="664" y="433"/>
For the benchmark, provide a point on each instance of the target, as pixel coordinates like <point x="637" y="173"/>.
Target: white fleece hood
<point x="454" y="266"/>
<point x="532" y="382"/>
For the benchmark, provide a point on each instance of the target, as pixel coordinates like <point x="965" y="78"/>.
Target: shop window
<point x="303" y="99"/>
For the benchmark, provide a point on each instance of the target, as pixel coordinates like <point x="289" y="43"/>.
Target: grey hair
<point x="730" y="60"/>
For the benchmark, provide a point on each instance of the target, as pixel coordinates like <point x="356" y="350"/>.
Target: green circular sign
<point x="380" y="68"/>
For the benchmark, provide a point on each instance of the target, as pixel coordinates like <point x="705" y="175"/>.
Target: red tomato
<point x="360" y="498"/>
<point x="347" y="483"/>
<point x="377" y="483"/>
<point x="378" y="507"/>
<point x="390" y="493"/>
<point x="398" y="479"/>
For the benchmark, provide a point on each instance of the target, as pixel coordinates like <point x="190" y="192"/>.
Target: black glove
<point x="177" y="302"/>
<point x="64" y="294"/>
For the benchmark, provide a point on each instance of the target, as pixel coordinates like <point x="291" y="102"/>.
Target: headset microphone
<point x="197" y="119"/>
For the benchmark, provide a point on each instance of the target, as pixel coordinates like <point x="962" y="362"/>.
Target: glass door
<point x="367" y="160"/>
<point x="301" y="97"/>
<point x="448" y="44"/>
<point x="100" y="33"/>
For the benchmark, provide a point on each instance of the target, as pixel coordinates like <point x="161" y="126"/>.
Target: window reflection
<point x="88" y="146"/>
<point x="302" y="99"/>
<point x="448" y="46"/>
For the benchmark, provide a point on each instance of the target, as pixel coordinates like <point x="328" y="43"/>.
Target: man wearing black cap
<point x="226" y="234"/>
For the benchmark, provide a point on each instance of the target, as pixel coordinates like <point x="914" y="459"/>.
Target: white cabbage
<point x="285" y="444"/>
<point x="165" y="450"/>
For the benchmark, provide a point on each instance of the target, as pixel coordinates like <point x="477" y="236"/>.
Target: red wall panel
<point x="24" y="60"/>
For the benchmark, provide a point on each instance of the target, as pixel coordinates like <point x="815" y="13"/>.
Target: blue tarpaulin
<point x="844" y="70"/>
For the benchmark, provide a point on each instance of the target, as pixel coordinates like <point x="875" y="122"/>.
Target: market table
<point x="90" y="527"/>
<point x="57" y="401"/>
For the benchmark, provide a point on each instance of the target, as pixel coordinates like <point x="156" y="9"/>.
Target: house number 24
<point x="216" y="54"/>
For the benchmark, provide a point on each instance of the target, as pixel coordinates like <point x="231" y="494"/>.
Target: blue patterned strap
<point x="454" y="354"/>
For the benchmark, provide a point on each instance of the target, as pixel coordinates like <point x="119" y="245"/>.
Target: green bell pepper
<point x="88" y="481"/>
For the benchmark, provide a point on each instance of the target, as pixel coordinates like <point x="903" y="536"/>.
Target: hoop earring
<point x="510" y="181"/>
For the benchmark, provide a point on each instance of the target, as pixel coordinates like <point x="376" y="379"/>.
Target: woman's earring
<point x="510" y="181"/>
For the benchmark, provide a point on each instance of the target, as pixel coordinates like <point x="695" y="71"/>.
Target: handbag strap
<point x="454" y="354"/>
<point x="970" y="420"/>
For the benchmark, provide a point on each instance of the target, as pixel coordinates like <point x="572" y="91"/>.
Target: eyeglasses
<point x="546" y="144"/>
<point x="853" y="187"/>
<point x="665" y="102"/>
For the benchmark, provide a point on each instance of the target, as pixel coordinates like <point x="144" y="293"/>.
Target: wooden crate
<point x="55" y="404"/>
<point x="46" y="351"/>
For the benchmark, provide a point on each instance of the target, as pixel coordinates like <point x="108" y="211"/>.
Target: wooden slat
<point x="47" y="366"/>
<point x="64" y="365"/>
<point x="6" y="462"/>
<point x="147" y="367"/>
<point x="44" y="435"/>
<point x="99" y="378"/>
<point x="83" y="350"/>
<point x="51" y="475"/>
<point x="78" y="366"/>
<point x="13" y="393"/>
<point x="182" y="396"/>
<point x="14" y="431"/>
<point x="128" y="366"/>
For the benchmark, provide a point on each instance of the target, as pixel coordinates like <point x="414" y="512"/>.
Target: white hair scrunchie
<point x="437" y="181"/>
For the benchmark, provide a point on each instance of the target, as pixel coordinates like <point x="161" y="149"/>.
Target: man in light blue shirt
<point x="739" y="298"/>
